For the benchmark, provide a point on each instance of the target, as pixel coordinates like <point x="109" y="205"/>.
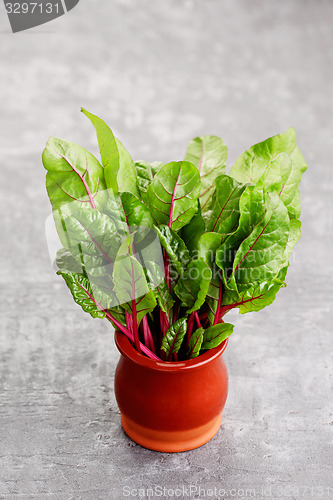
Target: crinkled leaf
<point x="93" y="238"/>
<point x="261" y="255"/>
<point x="87" y="295"/>
<point x="173" y="194"/>
<point x="157" y="283"/>
<point x="208" y="244"/>
<point x="137" y="213"/>
<point x="209" y="155"/>
<point x="174" y="336"/>
<point x="225" y="213"/>
<point x="145" y="173"/>
<point x="255" y="252"/>
<point x="192" y="286"/>
<point x="193" y="230"/>
<point x="174" y="247"/>
<point x="216" y="334"/>
<point x="73" y="174"/>
<point x="283" y="176"/>
<point x="256" y="298"/>
<point x="66" y="262"/>
<point x="195" y="343"/>
<point x="131" y="285"/>
<point x="251" y="165"/>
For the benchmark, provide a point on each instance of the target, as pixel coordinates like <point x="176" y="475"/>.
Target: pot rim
<point x="127" y="350"/>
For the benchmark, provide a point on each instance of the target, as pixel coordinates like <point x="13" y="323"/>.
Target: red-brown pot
<point x="170" y="406"/>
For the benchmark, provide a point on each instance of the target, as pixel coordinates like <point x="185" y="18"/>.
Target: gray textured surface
<point x="161" y="73"/>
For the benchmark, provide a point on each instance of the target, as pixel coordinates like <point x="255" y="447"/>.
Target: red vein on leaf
<point x="91" y="199"/>
<point x="173" y="199"/>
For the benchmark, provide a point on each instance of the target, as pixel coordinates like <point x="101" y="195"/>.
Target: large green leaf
<point x="126" y="178"/>
<point x="86" y="295"/>
<point x="119" y="171"/>
<point x="254" y="252"/>
<point x="283" y="176"/>
<point x="256" y="298"/>
<point x="93" y="239"/>
<point x="216" y="334"/>
<point x="145" y="173"/>
<point x="173" y="194"/>
<point x="157" y="283"/>
<point x="131" y="286"/>
<point x="137" y="213"/>
<point x="208" y="244"/>
<point x="209" y="155"/>
<point x="74" y="178"/>
<point x="108" y="149"/>
<point x="195" y="343"/>
<point x="192" y="231"/>
<point x="225" y="214"/>
<point x="250" y="166"/>
<point x="261" y="255"/>
<point x="192" y="286"/>
<point x="173" y="338"/>
<point x="66" y="262"/>
<point x="174" y="247"/>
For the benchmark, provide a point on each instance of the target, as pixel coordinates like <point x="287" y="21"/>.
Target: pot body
<point x="170" y="406"/>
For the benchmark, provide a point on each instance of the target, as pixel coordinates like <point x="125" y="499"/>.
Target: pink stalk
<point x="135" y="327"/>
<point x="197" y="319"/>
<point x="217" y="314"/>
<point x="190" y="329"/>
<point x="129" y="335"/>
<point x="149" y="341"/>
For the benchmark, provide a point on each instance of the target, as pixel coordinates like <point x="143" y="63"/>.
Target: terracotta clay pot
<point x="170" y="406"/>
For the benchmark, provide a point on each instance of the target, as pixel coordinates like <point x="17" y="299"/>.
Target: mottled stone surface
<point x="161" y="73"/>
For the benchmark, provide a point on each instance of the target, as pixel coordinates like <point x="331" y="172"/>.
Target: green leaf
<point x="261" y="255"/>
<point x="213" y="297"/>
<point x="192" y="287"/>
<point x="225" y="214"/>
<point x="216" y="334"/>
<point x="255" y="251"/>
<point x="145" y="173"/>
<point x="195" y="343"/>
<point x="174" y="247"/>
<point x="94" y="240"/>
<point x="119" y="170"/>
<point x="66" y="262"/>
<point x="131" y="285"/>
<point x="193" y="230"/>
<point x="256" y="298"/>
<point x="208" y="244"/>
<point x="294" y="236"/>
<point x="126" y="178"/>
<point x="157" y="284"/>
<point x="283" y="176"/>
<point x="173" y="194"/>
<point x="86" y="295"/>
<point x="137" y="213"/>
<point x="209" y="155"/>
<point x="250" y="166"/>
<point x="174" y="336"/>
<point x="74" y="178"/>
<point x="108" y="149"/>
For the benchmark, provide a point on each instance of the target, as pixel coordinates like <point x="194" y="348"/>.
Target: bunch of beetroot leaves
<point x="164" y="251"/>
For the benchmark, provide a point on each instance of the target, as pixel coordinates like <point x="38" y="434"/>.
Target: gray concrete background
<point x="161" y="73"/>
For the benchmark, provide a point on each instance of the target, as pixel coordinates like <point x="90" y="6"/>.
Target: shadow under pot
<point x="170" y="406"/>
